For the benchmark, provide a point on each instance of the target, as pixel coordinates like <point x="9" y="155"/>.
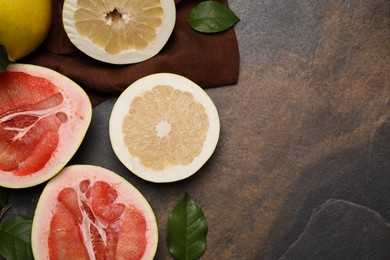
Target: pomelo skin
<point x="44" y="117"/>
<point x="24" y="25"/>
<point x="89" y="212"/>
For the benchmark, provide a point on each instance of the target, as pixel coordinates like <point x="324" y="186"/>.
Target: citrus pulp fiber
<point x="24" y="24"/>
<point x="164" y="127"/>
<point x="119" y="31"/>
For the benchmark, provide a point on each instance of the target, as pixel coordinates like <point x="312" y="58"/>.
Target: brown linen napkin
<point x="210" y="60"/>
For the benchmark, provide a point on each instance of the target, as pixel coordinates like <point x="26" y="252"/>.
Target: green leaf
<point x="3" y="210"/>
<point x="211" y="17"/>
<point x="15" y="238"/>
<point x="4" y="59"/>
<point x="4" y="196"/>
<point x="187" y="230"/>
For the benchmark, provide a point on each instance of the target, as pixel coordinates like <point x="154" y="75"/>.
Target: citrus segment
<point x="93" y="213"/>
<point x="43" y="118"/>
<point x="119" y="31"/>
<point x="184" y="123"/>
<point x="164" y="127"/>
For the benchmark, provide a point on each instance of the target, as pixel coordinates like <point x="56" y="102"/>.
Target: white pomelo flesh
<point x="77" y="109"/>
<point x="70" y="178"/>
<point x="100" y="16"/>
<point x="175" y="171"/>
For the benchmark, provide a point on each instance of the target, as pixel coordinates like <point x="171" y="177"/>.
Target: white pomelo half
<point x="117" y="31"/>
<point x="44" y="117"/>
<point x="89" y="212"/>
<point x="164" y="127"/>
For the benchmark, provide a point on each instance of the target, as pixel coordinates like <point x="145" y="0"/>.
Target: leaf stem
<point x="4" y="209"/>
<point x="4" y="58"/>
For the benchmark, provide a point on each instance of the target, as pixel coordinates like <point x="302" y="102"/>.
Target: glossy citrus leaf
<point x="15" y="238"/>
<point x="187" y="230"/>
<point x="4" y="60"/>
<point x="211" y="17"/>
<point x="4" y="195"/>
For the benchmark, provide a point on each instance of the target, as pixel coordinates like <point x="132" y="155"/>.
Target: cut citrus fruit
<point x="44" y="117"/>
<point x="89" y="212"/>
<point x="119" y="31"/>
<point x="24" y="25"/>
<point x="164" y="127"/>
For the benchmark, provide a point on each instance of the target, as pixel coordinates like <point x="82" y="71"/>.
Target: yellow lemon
<point x="24" y="24"/>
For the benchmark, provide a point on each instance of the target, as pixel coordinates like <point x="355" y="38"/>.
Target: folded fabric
<point x="210" y="60"/>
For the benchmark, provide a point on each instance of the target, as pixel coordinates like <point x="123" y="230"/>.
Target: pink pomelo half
<point x="89" y="212"/>
<point x="44" y="117"/>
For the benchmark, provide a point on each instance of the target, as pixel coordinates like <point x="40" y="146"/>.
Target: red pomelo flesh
<point x="89" y="212"/>
<point x="43" y="119"/>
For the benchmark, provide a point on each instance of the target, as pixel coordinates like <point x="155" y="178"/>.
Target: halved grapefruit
<point x="44" y="117"/>
<point x="164" y="127"/>
<point x="117" y="31"/>
<point x="89" y="212"/>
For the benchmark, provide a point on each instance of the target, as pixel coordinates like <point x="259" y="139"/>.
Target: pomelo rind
<point x="73" y="174"/>
<point x="121" y="108"/>
<point x="71" y="136"/>
<point x="125" y="57"/>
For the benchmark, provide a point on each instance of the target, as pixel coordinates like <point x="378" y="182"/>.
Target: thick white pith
<point x="163" y="128"/>
<point x="61" y="109"/>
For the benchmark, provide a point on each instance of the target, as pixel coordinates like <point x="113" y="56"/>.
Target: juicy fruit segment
<point x="95" y="210"/>
<point x="43" y="118"/>
<point x="27" y="127"/>
<point x="164" y="127"/>
<point x="173" y="134"/>
<point x="24" y="25"/>
<point x="119" y="31"/>
<point x="119" y="25"/>
<point x="92" y="213"/>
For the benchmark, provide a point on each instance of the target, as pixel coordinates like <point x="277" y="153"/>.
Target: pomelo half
<point x="89" y="212"/>
<point x="164" y="127"/>
<point x="118" y="31"/>
<point x="44" y="117"/>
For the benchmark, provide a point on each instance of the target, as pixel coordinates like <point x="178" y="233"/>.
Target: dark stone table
<point x="302" y="167"/>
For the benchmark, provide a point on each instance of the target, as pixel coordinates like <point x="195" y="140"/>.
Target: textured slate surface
<point x="302" y="167"/>
<point x="340" y="229"/>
